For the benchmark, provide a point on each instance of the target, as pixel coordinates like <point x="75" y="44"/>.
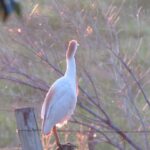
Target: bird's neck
<point x="71" y="69"/>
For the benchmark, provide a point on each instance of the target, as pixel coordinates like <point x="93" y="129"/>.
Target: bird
<point x="60" y="101"/>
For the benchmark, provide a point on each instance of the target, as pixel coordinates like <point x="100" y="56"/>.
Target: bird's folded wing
<point x="57" y="90"/>
<point x="47" y="100"/>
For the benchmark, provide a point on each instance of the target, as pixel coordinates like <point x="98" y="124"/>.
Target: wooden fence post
<point x="28" y="129"/>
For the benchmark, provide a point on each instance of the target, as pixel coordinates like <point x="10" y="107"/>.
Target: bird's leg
<point x="56" y="136"/>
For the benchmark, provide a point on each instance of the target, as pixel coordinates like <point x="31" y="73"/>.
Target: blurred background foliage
<point x="7" y="7"/>
<point x="43" y="32"/>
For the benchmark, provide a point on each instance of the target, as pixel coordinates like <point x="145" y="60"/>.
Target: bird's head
<point x="72" y="47"/>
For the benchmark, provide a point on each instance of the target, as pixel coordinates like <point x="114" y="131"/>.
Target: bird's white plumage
<point x="61" y="99"/>
<point x="59" y="110"/>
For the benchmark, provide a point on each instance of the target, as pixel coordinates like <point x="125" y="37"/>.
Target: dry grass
<point x="99" y="27"/>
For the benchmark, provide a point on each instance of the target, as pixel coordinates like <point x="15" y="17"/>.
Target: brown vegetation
<point x="113" y="68"/>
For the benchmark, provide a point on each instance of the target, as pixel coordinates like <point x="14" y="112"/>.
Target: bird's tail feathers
<point x="46" y="127"/>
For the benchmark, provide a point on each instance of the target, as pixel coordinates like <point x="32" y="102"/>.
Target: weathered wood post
<point x="28" y="129"/>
